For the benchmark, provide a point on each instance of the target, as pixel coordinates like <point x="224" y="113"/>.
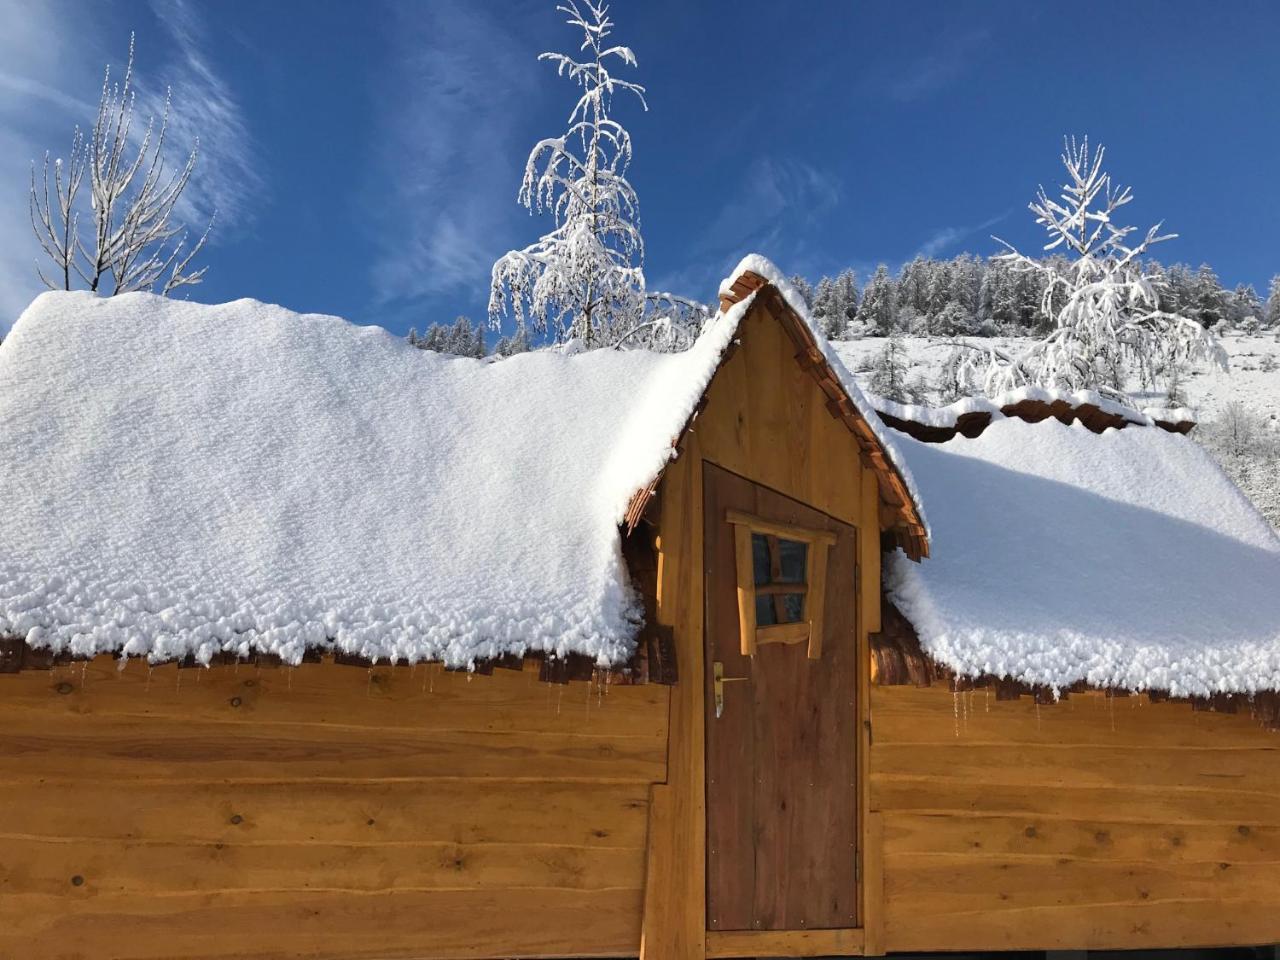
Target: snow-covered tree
<point x="1211" y="301"/>
<point x="134" y="242"/>
<point x="803" y="287"/>
<point x="584" y="278"/>
<point x="461" y="338"/>
<point x="1272" y="314"/>
<point x="879" y="302"/>
<point x="517" y="343"/>
<point x="955" y="321"/>
<point x="1110" y="317"/>
<point x="1243" y="305"/>
<point x="890" y="371"/>
<point x="835" y="304"/>
<point x="845" y="289"/>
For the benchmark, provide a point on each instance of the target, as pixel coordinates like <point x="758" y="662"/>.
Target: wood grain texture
<point x="764" y="418"/>
<point x="784" y="943"/>
<point x="322" y="812"/>
<point x="325" y="924"/>
<point x="674" y="923"/>
<point x="782" y="760"/>
<point x="1098" y="823"/>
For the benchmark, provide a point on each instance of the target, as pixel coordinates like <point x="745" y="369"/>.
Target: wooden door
<point x="782" y="757"/>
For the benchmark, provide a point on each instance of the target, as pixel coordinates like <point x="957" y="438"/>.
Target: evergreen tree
<point x="845" y="301"/>
<point x="890" y="370"/>
<point x="823" y="305"/>
<point x="463" y="338"/>
<point x="878" y="310"/>
<point x="1244" y="306"/>
<point x="1210" y="300"/>
<point x="1272" y="314"/>
<point x="803" y="288"/>
<point x="510" y="346"/>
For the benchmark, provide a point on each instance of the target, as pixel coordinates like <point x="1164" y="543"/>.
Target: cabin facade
<point x="778" y="767"/>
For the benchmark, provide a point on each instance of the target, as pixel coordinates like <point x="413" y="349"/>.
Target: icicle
<point x="955" y="710"/>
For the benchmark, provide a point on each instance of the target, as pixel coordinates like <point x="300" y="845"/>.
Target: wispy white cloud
<point x="37" y="71"/>
<point x="449" y="163"/>
<point x="945" y="238"/>
<point x="50" y="77"/>
<point x="204" y="108"/>
<point x="779" y="202"/>
<point x="948" y="61"/>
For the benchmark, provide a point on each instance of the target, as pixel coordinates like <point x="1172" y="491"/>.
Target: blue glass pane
<point x="760" y="558"/>
<point x="793" y="555"/>
<point x="792" y="607"/>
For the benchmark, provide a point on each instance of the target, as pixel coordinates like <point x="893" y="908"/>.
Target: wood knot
<point x="369" y="822"/>
<point x="77" y="881"/>
<point x="235" y="701"/>
<point x="1243" y="830"/>
<point x="237" y="819"/>
<point x="64" y="688"/>
<point x="1030" y="832"/>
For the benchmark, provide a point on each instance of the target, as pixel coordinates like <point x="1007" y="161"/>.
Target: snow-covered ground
<point x="1253" y="379"/>
<point x="1238" y="409"/>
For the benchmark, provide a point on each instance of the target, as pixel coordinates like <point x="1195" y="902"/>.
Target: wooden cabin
<point x="289" y="673"/>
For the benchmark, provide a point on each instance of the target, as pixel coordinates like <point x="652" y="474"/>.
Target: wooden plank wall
<point x="322" y="812"/>
<point x="1096" y="823"/>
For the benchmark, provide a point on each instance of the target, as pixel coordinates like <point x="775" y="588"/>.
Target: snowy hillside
<point x="1238" y="410"/>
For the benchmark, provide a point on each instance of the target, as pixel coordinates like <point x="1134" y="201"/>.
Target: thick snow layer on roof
<point x="1125" y="559"/>
<point x="185" y="479"/>
<point x="763" y="267"/>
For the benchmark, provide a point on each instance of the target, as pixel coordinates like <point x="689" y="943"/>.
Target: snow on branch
<point x="135" y="243"/>
<point x="1104" y="305"/>
<point x="585" y="278"/>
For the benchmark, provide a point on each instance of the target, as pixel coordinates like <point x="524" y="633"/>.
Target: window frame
<point x="807" y="630"/>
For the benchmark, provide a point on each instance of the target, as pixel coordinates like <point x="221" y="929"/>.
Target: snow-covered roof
<point x="179" y="479"/>
<point x="1125" y="560"/>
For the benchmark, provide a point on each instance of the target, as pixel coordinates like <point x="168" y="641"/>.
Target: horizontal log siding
<point x="1097" y="823"/>
<point x="322" y="812"/>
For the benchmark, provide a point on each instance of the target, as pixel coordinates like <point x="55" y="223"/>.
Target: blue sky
<point x="364" y="157"/>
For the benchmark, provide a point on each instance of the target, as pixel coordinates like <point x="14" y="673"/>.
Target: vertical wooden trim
<point x="746" y="588"/>
<point x="817" y="576"/>
<point x="674" y="926"/>
<point x="873" y="886"/>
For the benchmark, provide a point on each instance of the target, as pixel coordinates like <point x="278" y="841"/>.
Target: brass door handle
<point x="718" y="680"/>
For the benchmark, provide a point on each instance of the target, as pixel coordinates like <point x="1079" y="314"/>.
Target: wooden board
<point x="1091" y="824"/>
<point x="674" y="926"/>
<point x="782" y="760"/>
<point x="784" y="943"/>
<point x="329" y="812"/>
